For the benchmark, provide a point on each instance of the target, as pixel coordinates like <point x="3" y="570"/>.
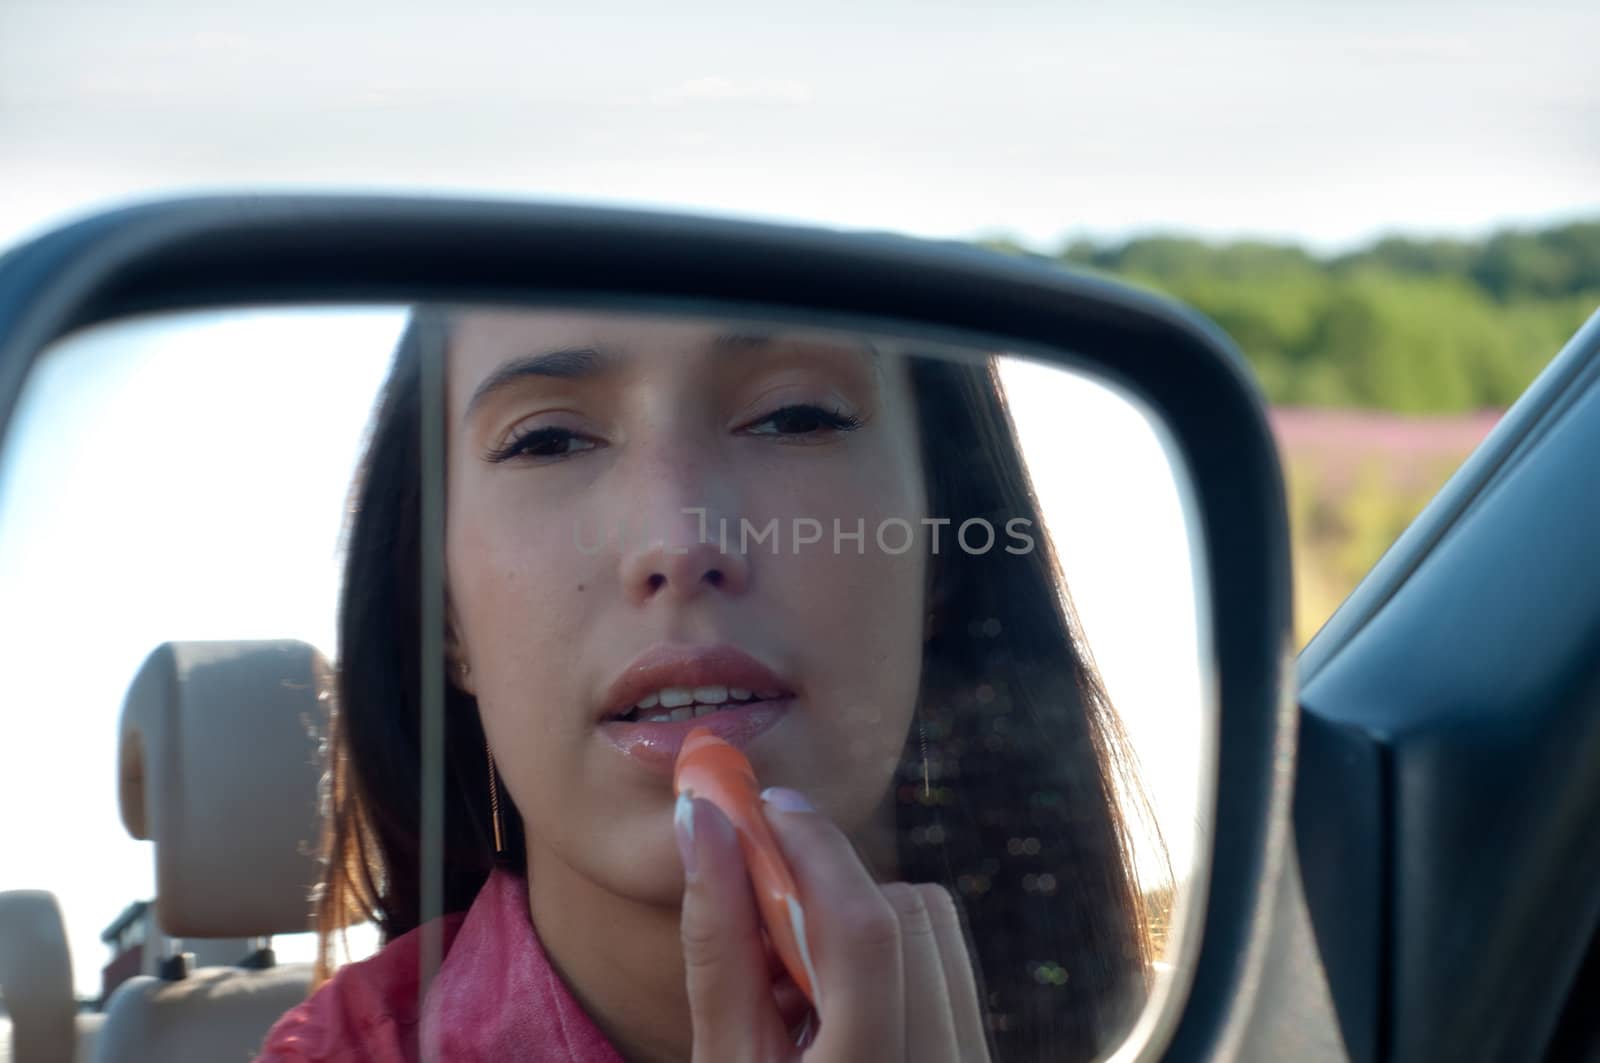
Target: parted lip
<point x="670" y="664"/>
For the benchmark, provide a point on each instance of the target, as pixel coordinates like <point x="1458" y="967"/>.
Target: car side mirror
<point x="594" y="373"/>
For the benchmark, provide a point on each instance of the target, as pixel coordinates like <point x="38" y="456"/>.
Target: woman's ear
<point x="461" y="675"/>
<point x="458" y="664"/>
<point x="459" y="670"/>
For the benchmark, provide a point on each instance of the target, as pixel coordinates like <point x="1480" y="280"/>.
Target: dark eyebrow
<point x="734" y="342"/>
<point x="739" y="341"/>
<point x="575" y="363"/>
<point x="568" y="363"/>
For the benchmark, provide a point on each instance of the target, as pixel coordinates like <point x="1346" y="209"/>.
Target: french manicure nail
<point x="787" y="800"/>
<point x="797" y="924"/>
<point x="683" y="827"/>
<point x="808" y="1031"/>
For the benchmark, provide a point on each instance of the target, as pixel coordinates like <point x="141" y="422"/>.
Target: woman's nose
<point x="681" y="540"/>
<point x="686" y="561"/>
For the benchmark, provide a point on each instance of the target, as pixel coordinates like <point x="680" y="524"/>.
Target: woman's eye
<point x="803" y="419"/>
<point x="543" y="444"/>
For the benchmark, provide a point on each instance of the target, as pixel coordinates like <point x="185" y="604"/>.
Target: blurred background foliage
<point x="1384" y="365"/>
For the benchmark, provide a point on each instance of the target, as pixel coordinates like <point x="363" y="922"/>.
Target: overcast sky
<point x="1325" y="123"/>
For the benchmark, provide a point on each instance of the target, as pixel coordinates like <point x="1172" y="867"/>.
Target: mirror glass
<point x="278" y="583"/>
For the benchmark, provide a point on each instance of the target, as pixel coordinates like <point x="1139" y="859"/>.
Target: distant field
<point x="1356" y="478"/>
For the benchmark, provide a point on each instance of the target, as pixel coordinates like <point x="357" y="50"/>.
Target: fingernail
<point x="808" y="1030"/>
<point x="797" y="924"/>
<point x="787" y="800"/>
<point x="683" y="827"/>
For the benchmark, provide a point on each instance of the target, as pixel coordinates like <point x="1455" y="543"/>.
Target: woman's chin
<point x="651" y="871"/>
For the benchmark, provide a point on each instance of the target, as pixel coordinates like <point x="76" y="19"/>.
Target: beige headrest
<point x="36" y="977"/>
<point x="218" y="765"/>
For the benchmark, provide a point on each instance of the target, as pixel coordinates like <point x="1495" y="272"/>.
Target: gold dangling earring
<point x="494" y="802"/>
<point x="922" y="733"/>
<point x="929" y="627"/>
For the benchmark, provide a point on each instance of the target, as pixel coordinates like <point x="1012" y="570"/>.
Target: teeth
<point x="687" y="703"/>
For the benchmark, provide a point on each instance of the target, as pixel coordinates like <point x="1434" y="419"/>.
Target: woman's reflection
<point x="827" y="552"/>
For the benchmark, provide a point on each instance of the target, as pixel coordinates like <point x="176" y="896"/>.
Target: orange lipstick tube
<point x="710" y="768"/>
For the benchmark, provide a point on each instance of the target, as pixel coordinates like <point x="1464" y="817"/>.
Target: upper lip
<point x="680" y="665"/>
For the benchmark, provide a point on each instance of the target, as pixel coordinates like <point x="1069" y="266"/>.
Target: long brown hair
<point x="1006" y="791"/>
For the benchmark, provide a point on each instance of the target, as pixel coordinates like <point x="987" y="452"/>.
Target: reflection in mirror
<point x="948" y="594"/>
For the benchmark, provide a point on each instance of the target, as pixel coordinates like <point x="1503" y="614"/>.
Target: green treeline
<point x="1413" y="325"/>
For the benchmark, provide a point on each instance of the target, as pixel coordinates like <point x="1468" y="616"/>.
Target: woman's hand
<point x="892" y="976"/>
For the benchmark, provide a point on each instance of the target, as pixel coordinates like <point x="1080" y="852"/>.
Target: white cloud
<point x="726" y="90"/>
<point x="1324" y="124"/>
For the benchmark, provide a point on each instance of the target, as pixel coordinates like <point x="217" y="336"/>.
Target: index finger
<point x="852" y="932"/>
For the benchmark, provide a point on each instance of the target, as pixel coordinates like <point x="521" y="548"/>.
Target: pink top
<point x="495" y="997"/>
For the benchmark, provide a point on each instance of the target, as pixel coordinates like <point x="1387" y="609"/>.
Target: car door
<point x="1447" y="803"/>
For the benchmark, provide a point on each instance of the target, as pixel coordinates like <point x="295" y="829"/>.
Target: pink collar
<point x="495" y="997"/>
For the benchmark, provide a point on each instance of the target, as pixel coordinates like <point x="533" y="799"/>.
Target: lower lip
<point x="656" y="745"/>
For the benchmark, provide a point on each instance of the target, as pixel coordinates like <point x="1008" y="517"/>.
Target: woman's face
<point x="593" y="461"/>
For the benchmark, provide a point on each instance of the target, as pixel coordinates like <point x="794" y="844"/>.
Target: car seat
<point x="219" y="765"/>
<point x="43" y="1023"/>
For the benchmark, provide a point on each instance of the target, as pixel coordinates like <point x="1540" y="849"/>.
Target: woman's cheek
<point x="515" y="581"/>
<point x="856" y="611"/>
